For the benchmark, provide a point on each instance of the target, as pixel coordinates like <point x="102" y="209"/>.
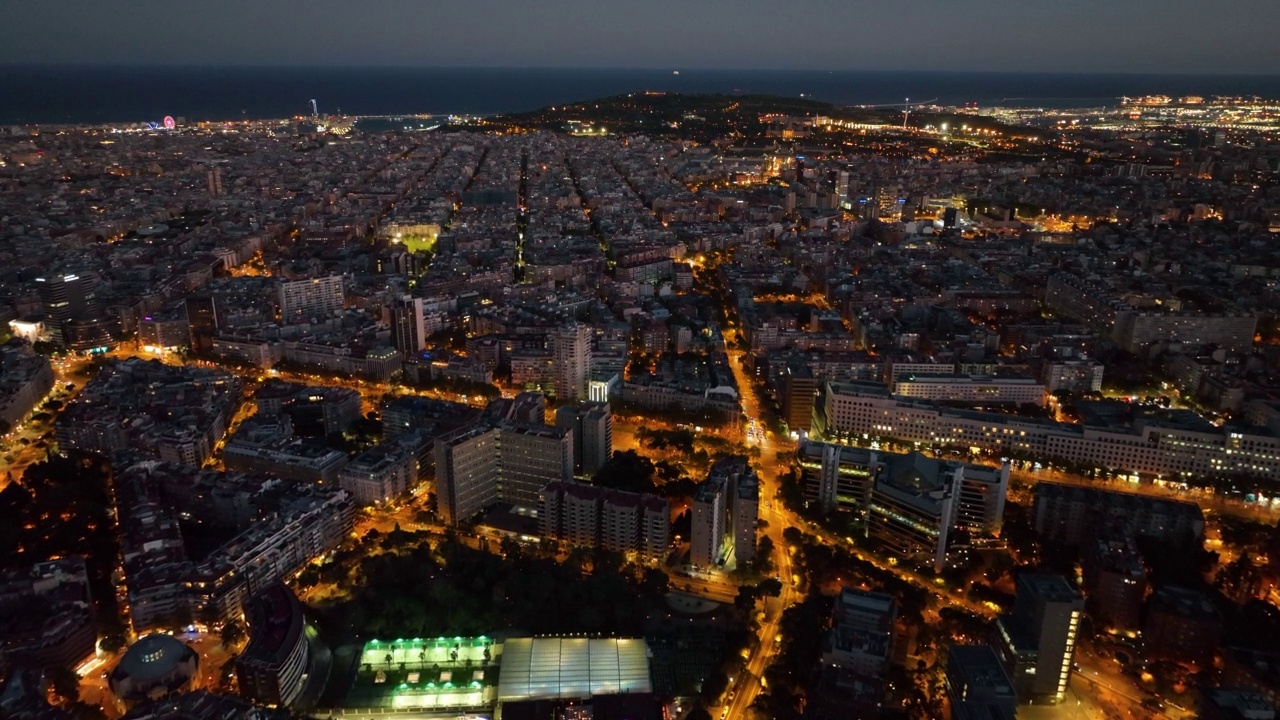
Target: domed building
<point x="154" y="667"/>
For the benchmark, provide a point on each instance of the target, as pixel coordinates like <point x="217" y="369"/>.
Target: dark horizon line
<point x="622" y="68"/>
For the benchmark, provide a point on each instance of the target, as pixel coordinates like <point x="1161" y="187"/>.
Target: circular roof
<point x="152" y="657"/>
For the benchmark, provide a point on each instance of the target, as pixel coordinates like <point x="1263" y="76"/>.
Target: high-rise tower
<point x="408" y="328"/>
<point x="572" y="362"/>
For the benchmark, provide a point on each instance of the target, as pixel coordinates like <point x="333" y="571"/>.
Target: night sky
<point x="1142" y="36"/>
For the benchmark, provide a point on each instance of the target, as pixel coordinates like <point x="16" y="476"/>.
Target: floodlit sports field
<point x="427" y="673"/>
<point x="430" y="651"/>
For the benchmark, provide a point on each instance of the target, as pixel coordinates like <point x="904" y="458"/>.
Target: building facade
<point x="302" y="300"/>
<point x="978" y="686"/>
<point x="507" y="462"/>
<point x="1038" y="639"/>
<point x="862" y="633"/>
<point x="592" y="426"/>
<point x="725" y="510"/>
<point x="380" y="474"/>
<point x="1170" y="444"/>
<point x="971" y="389"/>
<point x="272" y="669"/>
<point x="597" y="517"/>
<point x="1071" y="514"/>
<point x="571" y="361"/>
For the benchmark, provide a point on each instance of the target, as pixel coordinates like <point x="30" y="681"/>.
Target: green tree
<point x="770" y="587"/>
<point x="63" y="682"/>
<point x="510" y="548"/>
<point x="627" y="470"/>
<point x="113" y="635"/>
<point x="227" y="673"/>
<point x="792" y="535"/>
<point x="655" y="582"/>
<point x="231" y="633"/>
<point x="763" y="562"/>
<point x="714" y="686"/>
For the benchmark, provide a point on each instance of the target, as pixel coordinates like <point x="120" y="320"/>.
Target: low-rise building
<point x="978" y="686"/>
<point x="380" y="474"/>
<point x="313" y="410"/>
<point x="1181" y="624"/>
<point x="1167" y="443"/>
<point x="274" y="528"/>
<point x="1115" y="583"/>
<point x="1073" y="375"/>
<point x="156" y="666"/>
<point x="172" y="413"/>
<point x="1071" y="514"/>
<point x="46" y="615"/>
<point x="1235" y="704"/>
<point x="264" y="448"/>
<point x="971" y="389"/>
<point x="862" y="632"/>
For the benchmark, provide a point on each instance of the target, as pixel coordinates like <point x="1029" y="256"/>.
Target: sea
<point x="116" y="94"/>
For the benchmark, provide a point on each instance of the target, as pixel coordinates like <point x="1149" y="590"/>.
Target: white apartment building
<point x="572" y="362"/>
<point x="594" y="516"/>
<point x="726" y="507"/>
<point x="1075" y="375"/>
<point x="1179" y="443"/>
<point x="466" y="470"/>
<point x="971" y="389"/>
<point x="379" y="475"/>
<point x="302" y="300"/>
<point x="1134" y="330"/>
<point x="508" y="462"/>
<point x="708" y="523"/>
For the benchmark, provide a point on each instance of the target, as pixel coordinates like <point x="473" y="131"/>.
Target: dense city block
<point x="653" y="406"/>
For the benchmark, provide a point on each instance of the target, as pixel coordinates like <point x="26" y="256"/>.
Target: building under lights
<point x="1038" y="639"/>
<point x="478" y="673"/>
<point x="427" y="673"/>
<point x="1164" y="443"/>
<point x="571" y="667"/>
<point x="301" y="300"/>
<point x="274" y="666"/>
<point x="913" y="504"/>
<point x="726" y="508"/>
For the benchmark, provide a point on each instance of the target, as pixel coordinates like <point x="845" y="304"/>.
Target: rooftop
<point x="573" y="667"/>
<point x="1053" y="588"/>
<point x="153" y="657"/>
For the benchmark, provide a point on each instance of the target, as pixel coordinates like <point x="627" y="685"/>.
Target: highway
<point x="1096" y="673"/>
<point x="746" y="686"/>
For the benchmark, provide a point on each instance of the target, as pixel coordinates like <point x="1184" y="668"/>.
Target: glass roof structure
<point x="535" y="668"/>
